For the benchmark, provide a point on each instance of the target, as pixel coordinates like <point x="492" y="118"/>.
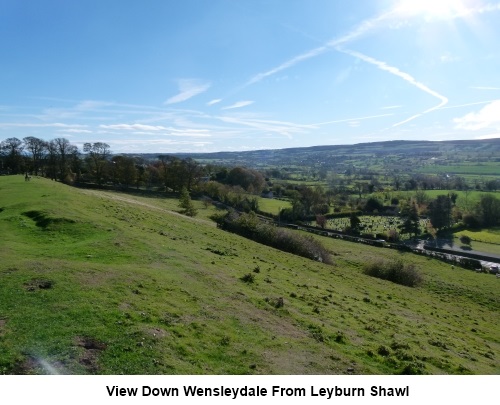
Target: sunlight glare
<point x="431" y="8"/>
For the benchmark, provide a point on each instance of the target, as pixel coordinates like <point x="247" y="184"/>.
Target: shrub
<point x="471" y="221"/>
<point x="249" y="226"/>
<point x="396" y="271"/>
<point x="248" y="278"/>
<point x="373" y="204"/>
<point x="186" y="204"/>
<point x="340" y="337"/>
<point x="413" y="368"/>
<point x="383" y="351"/>
<point x="466" y="240"/>
<point x="275" y="302"/>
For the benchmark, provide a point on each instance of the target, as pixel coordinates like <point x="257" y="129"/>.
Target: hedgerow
<point x="249" y="226"/>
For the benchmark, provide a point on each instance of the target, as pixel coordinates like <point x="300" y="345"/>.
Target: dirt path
<point x="131" y="200"/>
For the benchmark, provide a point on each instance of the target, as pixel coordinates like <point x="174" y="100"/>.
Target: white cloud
<point x="92" y="105"/>
<point x="491" y="136"/>
<point x="487" y="117"/>
<point x="357" y="119"/>
<point x="35" y="125"/>
<point x="188" y="88"/>
<point x="238" y="104"/>
<point x="75" y="131"/>
<point x="134" y="127"/>
<point x="279" y="127"/>
<point x="215" y="101"/>
<point x="152" y="145"/>
<point x="484" y="88"/>
<point x="190" y="132"/>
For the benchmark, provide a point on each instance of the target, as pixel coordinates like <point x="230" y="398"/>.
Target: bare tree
<point x="63" y="149"/>
<point x="98" y="156"/>
<point x="38" y="149"/>
<point x="11" y="150"/>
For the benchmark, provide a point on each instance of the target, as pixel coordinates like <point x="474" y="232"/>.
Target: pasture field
<point x="95" y="282"/>
<point x="477" y="246"/>
<point x="491" y="236"/>
<point x="273" y="206"/>
<point x="473" y="168"/>
<point x="471" y="197"/>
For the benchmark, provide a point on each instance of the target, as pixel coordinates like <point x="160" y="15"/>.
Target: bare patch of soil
<point x="156" y="332"/>
<point x="38" y="284"/>
<point x="90" y="355"/>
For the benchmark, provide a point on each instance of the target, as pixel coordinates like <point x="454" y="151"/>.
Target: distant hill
<point x="312" y="155"/>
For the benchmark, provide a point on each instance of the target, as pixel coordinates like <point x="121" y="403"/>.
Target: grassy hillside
<point x="95" y="282"/>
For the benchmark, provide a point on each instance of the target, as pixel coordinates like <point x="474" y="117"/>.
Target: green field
<point x="96" y="282"/>
<point x="273" y="206"/>
<point x="491" y="236"/>
<point x="474" y="168"/>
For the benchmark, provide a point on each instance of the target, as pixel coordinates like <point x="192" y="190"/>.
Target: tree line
<point x="59" y="159"/>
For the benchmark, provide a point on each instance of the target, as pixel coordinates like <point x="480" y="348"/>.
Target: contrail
<point x="403" y="75"/>
<point x="361" y="29"/>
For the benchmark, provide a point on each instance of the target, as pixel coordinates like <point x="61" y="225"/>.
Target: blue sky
<point x="164" y="76"/>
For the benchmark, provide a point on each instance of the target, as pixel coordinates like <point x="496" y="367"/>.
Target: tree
<point x="186" y="204"/>
<point x="249" y="179"/>
<point x="192" y="171"/>
<point x="11" y="150"/>
<point x="62" y="150"/>
<point x="321" y="221"/>
<point x="439" y="211"/>
<point x="397" y="182"/>
<point x="298" y="211"/>
<point x="38" y="149"/>
<point x="453" y="198"/>
<point x="492" y="185"/>
<point x="52" y="158"/>
<point x="124" y="170"/>
<point x="471" y="221"/>
<point x="360" y="188"/>
<point x="421" y="197"/>
<point x="489" y="210"/>
<point x="355" y="222"/>
<point x="98" y="154"/>
<point x="373" y="204"/>
<point x="411" y="221"/>
<point x="178" y="173"/>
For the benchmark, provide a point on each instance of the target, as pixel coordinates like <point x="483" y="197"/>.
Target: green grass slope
<point x="95" y="282"/>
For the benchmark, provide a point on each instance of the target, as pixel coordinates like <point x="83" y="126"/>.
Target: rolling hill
<point x="95" y="282"/>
